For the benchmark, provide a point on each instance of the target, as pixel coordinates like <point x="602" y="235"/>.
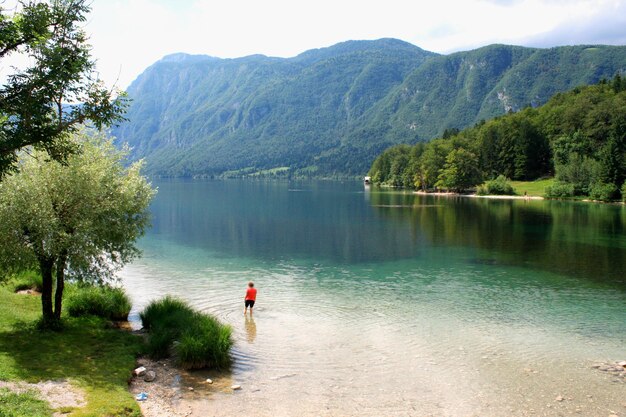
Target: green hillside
<point x="330" y="111"/>
<point x="579" y="137"/>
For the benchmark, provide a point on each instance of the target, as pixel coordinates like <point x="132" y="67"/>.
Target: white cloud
<point x="129" y="35"/>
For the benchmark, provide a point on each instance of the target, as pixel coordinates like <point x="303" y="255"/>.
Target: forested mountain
<point x="330" y="111"/>
<point x="578" y="137"/>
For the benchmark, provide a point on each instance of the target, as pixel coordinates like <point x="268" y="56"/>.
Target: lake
<point x="386" y="303"/>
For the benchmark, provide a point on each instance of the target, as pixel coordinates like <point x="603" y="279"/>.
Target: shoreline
<point x="489" y="197"/>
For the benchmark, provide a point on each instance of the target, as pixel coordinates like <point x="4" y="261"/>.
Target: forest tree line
<point x="578" y="137"/>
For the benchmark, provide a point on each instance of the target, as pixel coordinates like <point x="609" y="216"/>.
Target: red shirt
<point x="251" y="294"/>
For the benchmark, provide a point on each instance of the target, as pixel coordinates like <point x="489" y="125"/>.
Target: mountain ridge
<point x="330" y="111"/>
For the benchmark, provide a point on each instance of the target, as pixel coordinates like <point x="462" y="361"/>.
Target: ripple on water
<point x="368" y="328"/>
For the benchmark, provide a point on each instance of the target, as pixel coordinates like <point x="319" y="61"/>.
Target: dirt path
<point x="59" y="394"/>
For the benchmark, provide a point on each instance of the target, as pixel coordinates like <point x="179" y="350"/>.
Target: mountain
<point x="330" y="111"/>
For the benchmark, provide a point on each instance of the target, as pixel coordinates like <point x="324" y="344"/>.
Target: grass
<point x="92" y="356"/>
<point x="28" y="280"/>
<point x="22" y="405"/>
<point x="106" y="302"/>
<point x="196" y="340"/>
<point x="533" y="188"/>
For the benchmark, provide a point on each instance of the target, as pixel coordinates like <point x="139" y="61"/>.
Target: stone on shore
<point x="236" y="387"/>
<point x="209" y="381"/>
<point x="149" y="376"/>
<point x="140" y="371"/>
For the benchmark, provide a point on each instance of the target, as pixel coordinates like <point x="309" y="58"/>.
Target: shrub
<point x="498" y="186"/>
<point x="206" y="344"/>
<point x="196" y="340"/>
<point x="560" y="190"/>
<point x="604" y="192"/>
<point x="28" y="280"/>
<point x="168" y="311"/>
<point x="107" y="302"/>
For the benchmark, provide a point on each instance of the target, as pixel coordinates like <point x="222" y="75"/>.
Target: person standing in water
<point x="250" y="297"/>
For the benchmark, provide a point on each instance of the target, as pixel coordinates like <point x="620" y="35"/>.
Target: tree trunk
<point x="58" y="296"/>
<point x="45" y="265"/>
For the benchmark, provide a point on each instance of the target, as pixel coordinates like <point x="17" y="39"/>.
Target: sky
<point x="129" y="35"/>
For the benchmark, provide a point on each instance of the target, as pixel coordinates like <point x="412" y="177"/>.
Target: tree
<point x="43" y="103"/>
<point x="433" y="160"/>
<point x="460" y="171"/>
<point x="81" y="217"/>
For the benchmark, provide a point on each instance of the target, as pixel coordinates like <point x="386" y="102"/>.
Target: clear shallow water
<point x="390" y="303"/>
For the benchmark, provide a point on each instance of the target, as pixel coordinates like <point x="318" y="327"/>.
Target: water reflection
<point x="343" y="223"/>
<point x="323" y="221"/>
<point x="250" y="328"/>
<point x="573" y="239"/>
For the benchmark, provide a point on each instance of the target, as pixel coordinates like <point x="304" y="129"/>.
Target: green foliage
<point x="167" y="311"/>
<point x="623" y="190"/>
<point x="604" y="192"/>
<point x="107" y="302"/>
<point x="88" y="353"/>
<point x="579" y="171"/>
<point x="460" y="171"/>
<point x="60" y="70"/>
<point x="27" y="280"/>
<point x="499" y="186"/>
<point x="332" y="111"/>
<point x="81" y="217"/>
<point x="206" y="344"/>
<point x="560" y="190"/>
<point x="195" y="339"/>
<point x="580" y="137"/>
<point x="27" y="404"/>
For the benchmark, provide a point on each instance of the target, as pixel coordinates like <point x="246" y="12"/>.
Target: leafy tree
<point x="604" y="192"/>
<point x="449" y="132"/>
<point x="43" y="103"/>
<point x="578" y="171"/>
<point x="618" y="84"/>
<point x="433" y="160"/>
<point x="397" y="170"/>
<point x="80" y="218"/>
<point x="612" y="163"/>
<point x="460" y="171"/>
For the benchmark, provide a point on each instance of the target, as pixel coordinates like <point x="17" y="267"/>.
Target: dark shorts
<point x="249" y="303"/>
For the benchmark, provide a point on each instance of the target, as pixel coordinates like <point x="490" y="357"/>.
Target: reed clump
<point x="195" y="340"/>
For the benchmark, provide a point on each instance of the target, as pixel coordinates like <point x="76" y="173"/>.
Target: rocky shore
<point x="173" y="392"/>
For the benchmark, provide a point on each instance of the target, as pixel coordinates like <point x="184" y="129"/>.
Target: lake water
<point x="387" y="303"/>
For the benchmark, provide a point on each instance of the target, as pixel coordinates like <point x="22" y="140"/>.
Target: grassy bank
<point x="532" y="188"/>
<point x="196" y="340"/>
<point x="94" y="358"/>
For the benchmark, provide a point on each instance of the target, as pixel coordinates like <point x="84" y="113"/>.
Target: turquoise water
<point x="375" y="302"/>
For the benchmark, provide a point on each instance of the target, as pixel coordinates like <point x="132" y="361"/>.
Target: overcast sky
<point x="129" y="35"/>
